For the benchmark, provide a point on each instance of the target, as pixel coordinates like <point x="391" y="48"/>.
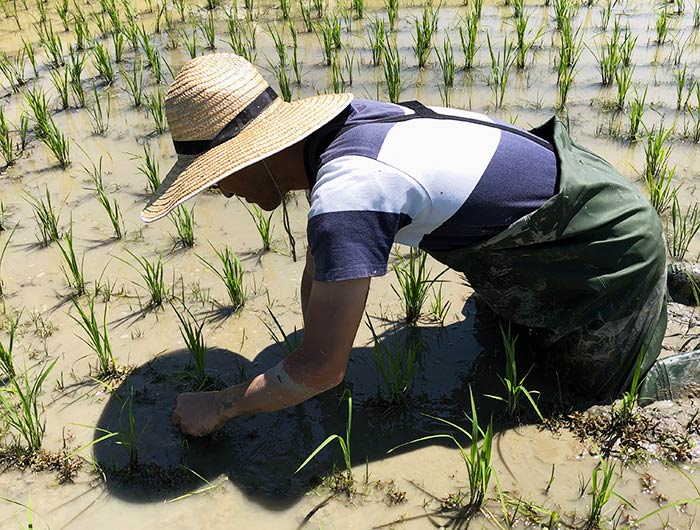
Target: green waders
<point x="586" y="270"/>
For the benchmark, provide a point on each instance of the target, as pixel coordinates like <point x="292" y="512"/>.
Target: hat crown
<point x="208" y="92"/>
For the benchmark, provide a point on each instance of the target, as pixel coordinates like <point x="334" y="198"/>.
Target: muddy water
<point x="244" y="476"/>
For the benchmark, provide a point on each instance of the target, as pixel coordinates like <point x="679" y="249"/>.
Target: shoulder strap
<point x="421" y="111"/>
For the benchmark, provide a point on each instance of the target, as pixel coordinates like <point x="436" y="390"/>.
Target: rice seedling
<point x="396" y="367"/>
<point x="97" y="337"/>
<point x="51" y="43"/>
<point x="608" y="58"/>
<point x="329" y="37"/>
<point x="358" y="6"/>
<point x="563" y="13"/>
<point x="72" y="268"/>
<point x="343" y="442"/>
<point x="2" y="256"/>
<point x="231" y="274"/>
<point x="181" y="8"/>
<point x="77" y="63"/>
<point x="13" y="70"/>
<point x="152" y="275"/>
<point x="262" y="224"/>
<point x="337" y="80"/>
<point x="636" y="113"/>
<point x="447" y="63"/>
<point x="58" y="143"/>
<point x="285" y="8"/>
<point x="438" y="307"/>
<point x="127" y="435"/>
<point x="425" y="27"/>
<point x="376" y="36"/>
<point x="279" y="335"/>
<point x="681" y="80"/>
<point x="294" y="59"/>
<point x="149" y="168"/>
<point x="467" y="36"/>
<point x="99" y="115"/>
<point x="155" y="106"/>
<point x="414" y="283"/>
<point x="59" y="79"/>
<point x="192" y="334"/>
<point x="349" y="61"/>
<point x="623" y="82"/>
<point x="28" y="52"/>
<point x="7" y="363"/>
<point x="281" y="74"/>
<point x="319" y="7"/>
<point x="625" y="412"/>
<point x="62" y="12"/>
<point x="103" y="64"/>
<point x="392" y="10"/>
<point x="23" y="131"/>
<point x="571" y="44"/>
<point x="685" y="226"/>
<point x="477" y="461"/>
<point x="627" y="48"/>
<point x="81" y="28"/>
<point x="515" y="387"/>
<point x="23" y="413"/>
<point x="662" y="26"/>
<point x="657" y="176"/>
<point x="693" y="132"/>
<point x="392" y="69"/>
<point x="183" y="219"/>
<point x="345" y="12"/>
<point x="241" y="37"/>
<point x="501" y="64"/>
<point x="101" y="21"/>
<point x="46" y="217"/>
<point x="134" y="83"/>
<point x="306" y="16"/>
<point x="602" y="488"/>
<point x="696" y="14"/>
<point x="36" y="99"/>
<point x="208" y="30"/>
<point x="118" y="42"/>
<point x="131" y="31"/>
<point x="112" y="208"/>
<point x="523" y="46"/>
<point x="7" y="144"/>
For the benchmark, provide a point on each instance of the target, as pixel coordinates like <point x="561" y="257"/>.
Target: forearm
<point x="273" y="390"/>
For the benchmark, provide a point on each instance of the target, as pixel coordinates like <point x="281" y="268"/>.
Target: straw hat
<point x="223" y="116"/>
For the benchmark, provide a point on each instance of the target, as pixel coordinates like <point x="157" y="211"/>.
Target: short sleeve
<point x="357" y="207"/>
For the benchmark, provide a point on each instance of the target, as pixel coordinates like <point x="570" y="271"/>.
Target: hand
<point x="198" y="413"/>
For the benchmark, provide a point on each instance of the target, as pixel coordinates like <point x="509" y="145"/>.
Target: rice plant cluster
<point x="84" y="86"/>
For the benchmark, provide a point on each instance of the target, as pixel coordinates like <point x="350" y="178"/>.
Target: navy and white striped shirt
<point x="435" y="184"/>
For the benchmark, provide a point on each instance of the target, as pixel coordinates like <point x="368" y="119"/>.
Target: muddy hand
<point x="197" y="413"/>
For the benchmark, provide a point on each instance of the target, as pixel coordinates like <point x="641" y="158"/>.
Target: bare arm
<point x="333" y="316"/>
<point x="306" y="282"/>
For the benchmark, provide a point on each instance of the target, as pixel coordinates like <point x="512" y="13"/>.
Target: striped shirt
<point x="436" y="184"/>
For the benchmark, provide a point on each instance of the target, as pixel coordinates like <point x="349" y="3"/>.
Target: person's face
<point x="253" y="184"/>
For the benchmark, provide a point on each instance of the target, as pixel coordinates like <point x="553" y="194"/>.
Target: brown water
<point x="250" y="464"/>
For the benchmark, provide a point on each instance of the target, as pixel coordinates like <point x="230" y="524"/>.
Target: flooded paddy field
<point x="84" y="138"/>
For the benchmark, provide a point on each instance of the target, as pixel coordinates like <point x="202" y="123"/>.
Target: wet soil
<point x="244" y="476"/>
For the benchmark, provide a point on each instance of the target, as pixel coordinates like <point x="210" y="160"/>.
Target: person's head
<point x="225" y="120"/>
<point x="266" y="182"/>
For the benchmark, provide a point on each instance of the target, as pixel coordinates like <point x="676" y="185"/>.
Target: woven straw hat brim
<point x="277" y="127"/>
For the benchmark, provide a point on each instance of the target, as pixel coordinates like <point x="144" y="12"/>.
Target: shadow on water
<point x="260" y="453"/>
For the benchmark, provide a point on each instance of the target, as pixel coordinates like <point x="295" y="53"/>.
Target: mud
<point x="244" y="476"/>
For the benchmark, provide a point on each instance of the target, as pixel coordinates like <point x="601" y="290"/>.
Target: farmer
<point x="548" y="234"/>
